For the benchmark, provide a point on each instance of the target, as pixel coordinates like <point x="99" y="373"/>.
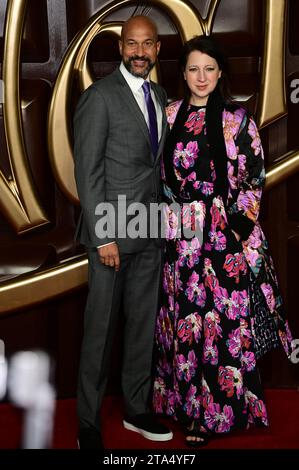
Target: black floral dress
<point x="205" y="364"/>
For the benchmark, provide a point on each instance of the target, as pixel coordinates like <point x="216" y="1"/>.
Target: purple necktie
<point x="152" y="117"/>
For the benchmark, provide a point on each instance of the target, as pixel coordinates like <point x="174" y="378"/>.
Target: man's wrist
<point x="106" y="244"/>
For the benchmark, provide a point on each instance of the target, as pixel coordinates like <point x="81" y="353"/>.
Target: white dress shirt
<point x="135" y="84"/>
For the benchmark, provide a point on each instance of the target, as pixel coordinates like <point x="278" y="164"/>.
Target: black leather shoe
<point x="89" y="438"/>
<point x="148" y="427"/>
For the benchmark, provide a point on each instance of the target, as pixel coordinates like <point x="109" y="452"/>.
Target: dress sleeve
<point x="244" y="210"/>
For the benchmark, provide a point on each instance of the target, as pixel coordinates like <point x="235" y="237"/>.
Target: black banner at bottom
<point x="74" y="459"/>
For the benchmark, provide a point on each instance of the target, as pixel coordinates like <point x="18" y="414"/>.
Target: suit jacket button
<point x="154" y="194"/>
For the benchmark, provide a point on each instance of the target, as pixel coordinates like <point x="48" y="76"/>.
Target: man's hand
<point x="109" y="255"/>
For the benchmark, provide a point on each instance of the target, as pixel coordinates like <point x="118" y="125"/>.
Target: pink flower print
<point x="163" y="328"/>
<point x="235" y="306"/>
<point x="245" y="334"/>
<point x="186" y="215"/>
<point x="170" y="223"/>
<point x="179" y="177"/>
<point x="218" y="240"/>
<point x="211" y="280"/>
<point x="253" y="257"/>
<point x="188" y="253"/>
<point x="269" y="295"/>
<point x="178" y="283"/>
<point x="207" y="188"/>
<point x="213" y="172"/>
<point x="218" y="215"/>
<point x="185" y="157"/>
<point x="164" y="367"/>
<point x="248" y="361"/>
<point x="232" y="123"/>
<point x="172" y="399"/>
<point x="240" y="304"/>
<point x="233" y="180"/>
<point x="168" y="281"/>
<point x="207" y="246"/>
<point x="186" y="369"/>
<point x="234" y="264"/>
<point x="189" y="328"/>
<point x="178" y="154"/>
<point x="159" y="393"/>
<point x="256" y="407"/>
<point x="259" y="411"/>
<point x="242" y="262"/>
<point x="221" y="298"/>
<point x="234" y="343"/>
<point x="196" y="292"/>
<point x="199" y="214"/>
<point x="217" y="421"/>
<point x="231" y="149"/>
<point x="256" y="141"/>
<point x="192" y="406"/>
<point x="193" y="216"/>
<point x="192" y="176"/>
<point x="254" y="239"/>
<point x="249" y="202"/>
<point x="208" y="268"/>
<point x="230" y="380"/>
<point x="171" y="112"/>
<point x="227" y="420"/>
<point x="184" y="331"/>
<point x="196" y="325"/>
<point x="171" y="303"/>
<point x="210" y="353"/>
<point x="212" y="328"/>
<point x="206" y="396"/>
<point x="195" y="122"/>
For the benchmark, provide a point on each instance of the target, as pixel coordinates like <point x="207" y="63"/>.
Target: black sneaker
<point x="148" y="427"/>
<point x="89" y="438"/>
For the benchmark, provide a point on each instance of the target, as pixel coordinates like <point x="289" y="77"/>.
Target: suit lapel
<point x="132" y="105"/>
<point x="136" y="112"/>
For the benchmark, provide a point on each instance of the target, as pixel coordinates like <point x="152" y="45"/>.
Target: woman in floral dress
<point x="221" y="308"/>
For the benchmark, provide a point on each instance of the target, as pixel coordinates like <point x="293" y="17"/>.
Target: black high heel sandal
<point x="195" y="430"/>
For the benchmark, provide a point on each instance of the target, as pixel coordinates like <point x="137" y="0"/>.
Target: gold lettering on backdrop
<point x="19" y="201"/>
<point x="189" y="23"/>
<point x="81" y="66"/>
<point x="72" y="274"/>
<point x="272" y="99"/>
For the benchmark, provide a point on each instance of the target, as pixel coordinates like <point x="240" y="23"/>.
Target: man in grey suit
<point x="119" y="131"/>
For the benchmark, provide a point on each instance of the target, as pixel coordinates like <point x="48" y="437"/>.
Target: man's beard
<point x="145" y="72"/>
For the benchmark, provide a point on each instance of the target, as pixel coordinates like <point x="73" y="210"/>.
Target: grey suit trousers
<point x="137" y="283"/>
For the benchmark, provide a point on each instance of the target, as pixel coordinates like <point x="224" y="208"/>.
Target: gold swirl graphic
<point x="19" y="201"/>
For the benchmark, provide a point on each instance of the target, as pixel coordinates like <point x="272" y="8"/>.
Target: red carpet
<point x="283" y="433"/>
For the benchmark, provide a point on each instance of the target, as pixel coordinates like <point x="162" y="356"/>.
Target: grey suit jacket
<point x="113" y="157"/>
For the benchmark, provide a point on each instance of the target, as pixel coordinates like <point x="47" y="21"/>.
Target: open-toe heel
<point x="199" y="436"/>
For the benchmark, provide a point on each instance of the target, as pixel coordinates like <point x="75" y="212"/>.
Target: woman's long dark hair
<point x="208" y="45"/>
